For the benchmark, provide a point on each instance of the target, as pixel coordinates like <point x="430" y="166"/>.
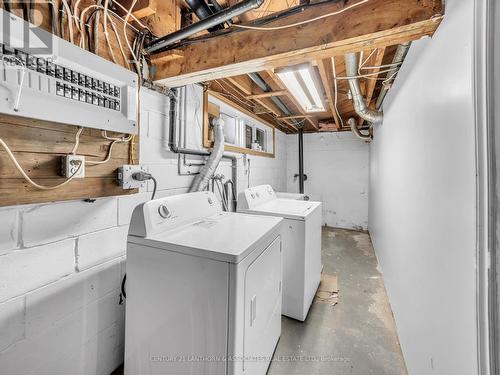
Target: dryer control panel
<point x="255" y="196"/>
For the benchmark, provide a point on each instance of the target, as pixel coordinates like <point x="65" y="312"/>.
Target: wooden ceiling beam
<point x="372" y="24"/>
<point x="375" y="61"/>
<point x="267" y="94"/>
<point x="325" y="67"/>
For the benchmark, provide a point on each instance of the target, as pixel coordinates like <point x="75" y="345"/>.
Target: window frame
<point x="211" y="109"/>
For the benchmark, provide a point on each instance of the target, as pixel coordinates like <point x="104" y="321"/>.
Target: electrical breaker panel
<point x="45" y="77"/>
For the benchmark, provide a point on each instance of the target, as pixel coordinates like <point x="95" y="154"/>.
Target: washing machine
<point x="301" y="239"/>
<point x="295" y="196"/>
<point x="203" y="287"/>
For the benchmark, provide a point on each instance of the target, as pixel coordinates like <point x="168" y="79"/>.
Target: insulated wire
<point x="155" y="185"/>
<point x="114" y="140"/>
<point x="302" y="22"/>
<point x="108" y="157"/>
<point x="77" y="140"/>
<point x="369" y="75"/>
<point x="25" y="175"/>
<point x="125" y="23"/>
<point x="106" y="34"/>
<point x="70" y="20"/>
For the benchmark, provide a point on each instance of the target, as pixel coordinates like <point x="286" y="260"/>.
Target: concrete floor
<point x="355" y="337"/>
<point x="358" y="335"/>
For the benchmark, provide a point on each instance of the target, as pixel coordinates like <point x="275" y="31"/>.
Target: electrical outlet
<point x="73" y="166"/>
<point x="125" y="179"/>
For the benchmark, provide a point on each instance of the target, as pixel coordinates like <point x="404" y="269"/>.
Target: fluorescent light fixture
<point x="302" y="86"/>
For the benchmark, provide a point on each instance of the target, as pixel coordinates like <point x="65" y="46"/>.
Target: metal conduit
<point x="354" y="127"/>
<point x="172" y="143"/>
<point x="162" y="43"/>
<point x="398" y="58"/>
<point x="370" y="115"/>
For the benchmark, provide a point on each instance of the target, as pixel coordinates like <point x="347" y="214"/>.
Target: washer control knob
<point x="164" y="211"/>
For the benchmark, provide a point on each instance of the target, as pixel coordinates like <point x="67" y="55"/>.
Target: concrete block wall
<point x="337" y="169"/>
<point x="61" y="264"/>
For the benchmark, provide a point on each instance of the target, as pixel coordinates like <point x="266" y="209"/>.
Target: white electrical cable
<point x="105" y="32"/>
<point x="77" y="140"/>
<point x="301" y="22"/>
<point x="369" y="75"/>
<point x="108" y="157"/>
<point x="113" y="26"/>
<point x="128" y="138"/>
<point x="132" y="16"/>
<point x="27" y="178"/>
<point x="125" y="23"/>
<point x="23" y="74"/>
<point x="70" y="20"/>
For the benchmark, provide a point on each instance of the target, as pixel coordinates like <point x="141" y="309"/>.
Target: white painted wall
<point x="336" y="165"/>
<point x="61" y="264"/>
<point x="422" y="199"/>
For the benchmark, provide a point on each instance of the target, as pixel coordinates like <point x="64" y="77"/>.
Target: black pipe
<point x="161" y="44"/>
<point x="202" y="11"/>
<point x="217" y="7"/>
<point x="6" y="5"/>
<point x="301" y="160"/>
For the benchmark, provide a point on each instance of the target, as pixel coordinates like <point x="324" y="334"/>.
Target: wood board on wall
<point x="38" y="147"/>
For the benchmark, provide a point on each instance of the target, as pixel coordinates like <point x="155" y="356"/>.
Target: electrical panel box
<point x="45" y="77"/>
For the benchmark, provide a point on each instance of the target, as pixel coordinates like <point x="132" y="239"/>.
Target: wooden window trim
<point x="208" y="108"/>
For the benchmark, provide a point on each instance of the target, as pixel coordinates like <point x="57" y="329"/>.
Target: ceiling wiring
<point x="259" y="28"/>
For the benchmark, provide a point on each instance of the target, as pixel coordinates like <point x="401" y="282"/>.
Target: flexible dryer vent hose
<point x="200" y="182"/>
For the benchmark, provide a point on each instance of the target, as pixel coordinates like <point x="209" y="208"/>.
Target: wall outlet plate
<point x="70" y="166"/>
<point x="125" y="179"/>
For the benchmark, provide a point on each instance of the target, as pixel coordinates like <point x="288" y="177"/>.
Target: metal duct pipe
<point x="162" y="43"/>
<point x="202" y="11"/>
<point x="200" y="182"/>
<point x="398" y="58"/>
<point x="351" y="63"/>
<point x="257" y="79"/>
<point x="172" y="145"/>
<point x="300" y="134"/>
<point x="354" y="127"/>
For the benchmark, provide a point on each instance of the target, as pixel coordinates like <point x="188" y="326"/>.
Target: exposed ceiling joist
<point x="275" y="79"/>
<point x="372" y="24"/>
<point x="325" y="67"/>
<point x="267" y="94"/>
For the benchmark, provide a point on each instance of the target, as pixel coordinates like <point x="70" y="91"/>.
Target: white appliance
<point x="296" y="196"/>
<point x="203" y="289"/>
<point x="301" y="244"/>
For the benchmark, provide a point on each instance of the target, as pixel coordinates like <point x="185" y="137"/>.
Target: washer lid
<point x="287" y="208"/>
<point x="226" y="236"/>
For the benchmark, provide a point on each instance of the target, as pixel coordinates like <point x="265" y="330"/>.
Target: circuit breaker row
<point x="79" y="86"/>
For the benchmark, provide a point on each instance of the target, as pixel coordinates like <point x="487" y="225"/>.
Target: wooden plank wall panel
<point x="38" y="147"/>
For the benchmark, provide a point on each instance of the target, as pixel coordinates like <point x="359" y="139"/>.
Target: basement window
<point x="244" y="132"/>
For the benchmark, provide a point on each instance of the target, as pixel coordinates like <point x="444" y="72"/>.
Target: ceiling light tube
<point x="302" y="86"/>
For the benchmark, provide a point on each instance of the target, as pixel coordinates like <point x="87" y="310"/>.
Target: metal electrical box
<point x="45" y="77"/>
